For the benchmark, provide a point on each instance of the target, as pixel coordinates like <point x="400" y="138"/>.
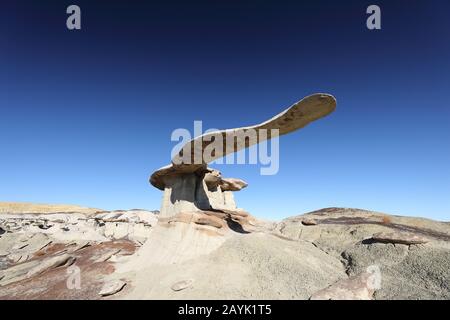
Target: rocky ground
<point x="333" y="253"/>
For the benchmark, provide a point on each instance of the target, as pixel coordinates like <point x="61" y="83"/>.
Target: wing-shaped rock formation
<point x="188" y="183"/>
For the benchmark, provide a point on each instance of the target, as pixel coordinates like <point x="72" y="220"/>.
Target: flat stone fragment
<point x="181" y="285"/>
<point x="112" y="287"/>
<point x="14" y="257"/>
<point x="309" y="222"/>
<point x="399" y="237"/>
<point x="50" y="263"/>
<point x="354" y="288"/>
<point x="232" y="184"/>
<point x="107" y="255"/>
<point x="16" y="272"/>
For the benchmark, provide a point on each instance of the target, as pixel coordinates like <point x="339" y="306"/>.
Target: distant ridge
<point x="28" y="207"/>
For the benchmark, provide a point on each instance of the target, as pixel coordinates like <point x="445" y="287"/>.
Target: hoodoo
<point x="198" y="209"/>
<point x="190" y="185"/>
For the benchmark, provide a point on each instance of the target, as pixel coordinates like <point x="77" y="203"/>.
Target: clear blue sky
<point x="86" y="116"/>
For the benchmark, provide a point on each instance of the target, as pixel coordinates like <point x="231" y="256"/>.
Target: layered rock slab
<point x="408" y="270"/>
<point x="201" y="190"/>
<point x="187" y="182"/>
<point x="399" y="237"/>
<point x="188" y="235"/>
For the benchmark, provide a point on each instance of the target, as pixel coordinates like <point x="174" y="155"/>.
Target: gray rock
<point x="354" y="288"/>
<point x="17" y="272"/>
<point x="181" y="285"/>
<point x="50" y="263"/>
<point x="112" y="287"/>
<point x="285" y="260"/>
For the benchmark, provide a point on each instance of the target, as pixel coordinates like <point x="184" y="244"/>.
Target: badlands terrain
<point x="70" y="252"/>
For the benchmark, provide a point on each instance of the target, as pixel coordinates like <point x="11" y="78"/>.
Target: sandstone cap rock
<point x="297" y="116"/>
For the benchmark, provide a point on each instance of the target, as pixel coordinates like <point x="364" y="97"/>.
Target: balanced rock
<point x="189" y="184"/>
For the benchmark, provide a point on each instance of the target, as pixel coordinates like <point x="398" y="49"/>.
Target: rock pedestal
<point x="204" y="190"/>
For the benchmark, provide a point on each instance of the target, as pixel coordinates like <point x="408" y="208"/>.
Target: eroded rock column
<point x="190" y="192"/>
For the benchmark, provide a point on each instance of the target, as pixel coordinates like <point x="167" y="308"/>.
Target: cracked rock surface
<point x="223" y="254"/>
<point x="412" y="254"/>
